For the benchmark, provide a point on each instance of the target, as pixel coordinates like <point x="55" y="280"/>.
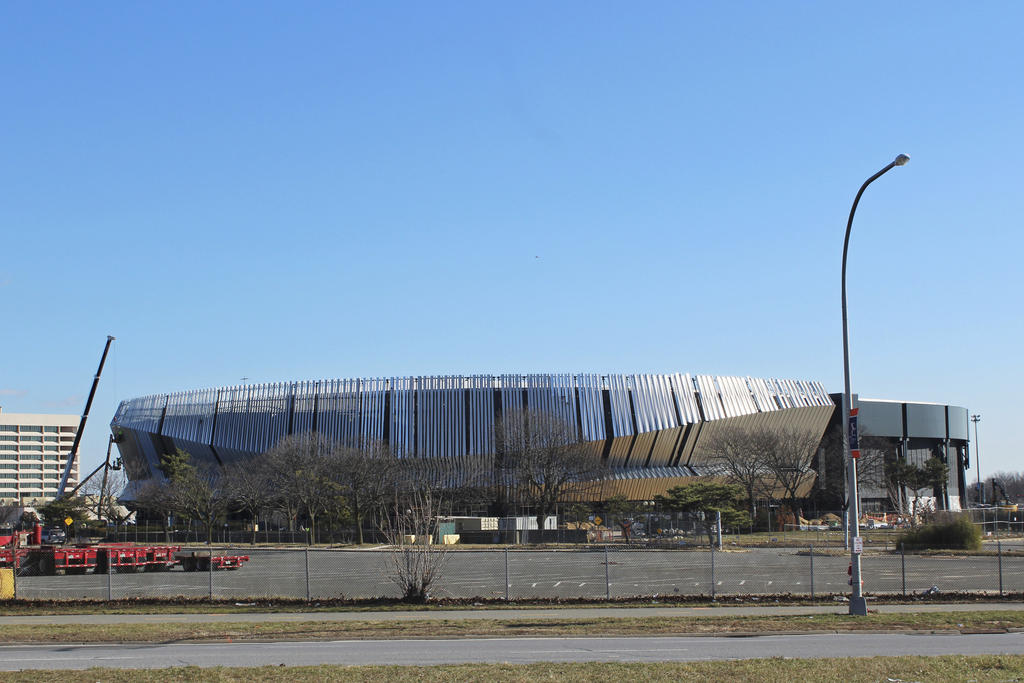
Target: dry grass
<point x="989" y="621"/>
<point x="950" y="668"/>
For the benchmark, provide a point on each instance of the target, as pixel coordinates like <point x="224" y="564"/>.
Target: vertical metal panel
<point x="709" y="399"/>
<point x="763" y="395"/>
<point x="619" y="451"/>
<point x="618" y="395"/>
<point x="682" y="388"/>
<point x="481" y="415"/>
<point x="553" y="394"/>
<point x="652" y="403"/>
<point x="664" y="447"/>
<point x="591" y="407"/>
<point x="440" y="419"/>
<point x="371" y="410"/>
<point x="779" y="393"/>
<point x="511" y="388"/>
<point x="402" y="415"/>
<point x="742" y="395"/>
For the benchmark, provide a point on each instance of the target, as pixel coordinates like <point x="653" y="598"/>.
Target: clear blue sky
<point x="286" y="191"/>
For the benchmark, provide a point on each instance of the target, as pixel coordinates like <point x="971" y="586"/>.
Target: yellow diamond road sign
<point x="68" y="520"/>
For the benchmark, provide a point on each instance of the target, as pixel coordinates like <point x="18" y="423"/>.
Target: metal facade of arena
<point x="633" y="421"/>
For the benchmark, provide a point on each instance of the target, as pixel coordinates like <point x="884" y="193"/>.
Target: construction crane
<point x="106" y="467"/>
<point x="81" y="425"/>
<point x="999" y="497"/>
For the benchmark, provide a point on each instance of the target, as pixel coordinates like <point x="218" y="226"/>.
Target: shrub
<point x="945" y="532"/>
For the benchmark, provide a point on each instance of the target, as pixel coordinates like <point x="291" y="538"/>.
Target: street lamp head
<point x="901" y="160"/>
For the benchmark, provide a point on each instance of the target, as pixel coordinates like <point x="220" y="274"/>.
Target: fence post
<point x="607" y="576"/>
<point x="307" y="575"/>
<point x="110" y="570"/>
<point x="506" y="575"/>
<point x="210" y="574"/>
<point x="712" y="546"/>
<point x="718" y="527"/>
<point x="999" y="549"/>
<point x="812" y="572"/>
<point x="903" y="568"/>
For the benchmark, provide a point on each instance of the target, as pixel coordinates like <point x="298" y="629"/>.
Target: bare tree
<point x="416" y="561"/>
<point x="788" y="455"/>
<point x="1011" y="482"/>
<point x="932" y="474"/>
<point x="9" y="513"/>
<point x="278" y="464"/>
<point x="200" y="493"/>
<point x="544" y="461"/>
<point x="156" y="499"/>
<point x="302" y="473"/>
<point x="105" y="492"/>
<point x="365" y="476"/>
<point x="250" y="489"/>
<point x="873" y="468"/>
<point x="740" y="456"/>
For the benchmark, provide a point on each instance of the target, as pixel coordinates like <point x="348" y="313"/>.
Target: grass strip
<point x="989" y="621"/>
<point x="983" y="669"/>
<point x="42" y="607"/>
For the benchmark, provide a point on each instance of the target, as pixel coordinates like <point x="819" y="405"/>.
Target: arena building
<point x="908" y="431"/>
<point x="651" y="431"/>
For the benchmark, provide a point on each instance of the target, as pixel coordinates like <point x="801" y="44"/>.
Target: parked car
<point x="54" y="535"/>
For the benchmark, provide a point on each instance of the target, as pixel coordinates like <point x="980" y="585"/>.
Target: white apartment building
<point x="33" y="451"/>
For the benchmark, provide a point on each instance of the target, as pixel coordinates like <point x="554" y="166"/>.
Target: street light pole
<point x="977" y="459"/>
<point x="858" y="605"/>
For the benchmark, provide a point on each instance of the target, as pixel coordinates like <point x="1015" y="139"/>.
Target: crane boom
<point x="81" y="425"/>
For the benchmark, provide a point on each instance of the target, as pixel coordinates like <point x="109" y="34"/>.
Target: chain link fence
<point x="594" y="573"/>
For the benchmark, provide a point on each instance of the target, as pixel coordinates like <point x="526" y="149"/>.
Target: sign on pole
<point x="67" y="521"/>
<point x="854" y="444"/>
<point x="858" y="544"/>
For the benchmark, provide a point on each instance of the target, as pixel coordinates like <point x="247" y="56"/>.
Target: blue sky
<point x="289" y="191"/>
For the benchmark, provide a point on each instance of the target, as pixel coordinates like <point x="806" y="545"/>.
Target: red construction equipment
<point x="23" y="552"/>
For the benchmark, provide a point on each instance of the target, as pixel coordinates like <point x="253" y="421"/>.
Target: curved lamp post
<point x="857" y="603"/>
<point x="977" y="460"/>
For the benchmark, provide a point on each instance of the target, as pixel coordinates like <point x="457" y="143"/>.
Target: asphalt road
<point x="547" y="574"/>
<point x="514" y="650"/>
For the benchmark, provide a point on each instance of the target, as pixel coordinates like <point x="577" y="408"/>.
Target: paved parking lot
<point x="591" y="573"/>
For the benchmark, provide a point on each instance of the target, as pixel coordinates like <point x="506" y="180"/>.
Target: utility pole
<point x="977" y="459"/>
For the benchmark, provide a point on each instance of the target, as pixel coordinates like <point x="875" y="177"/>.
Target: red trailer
<point x="199" y="561"/>
<point x="109" y="558"/>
